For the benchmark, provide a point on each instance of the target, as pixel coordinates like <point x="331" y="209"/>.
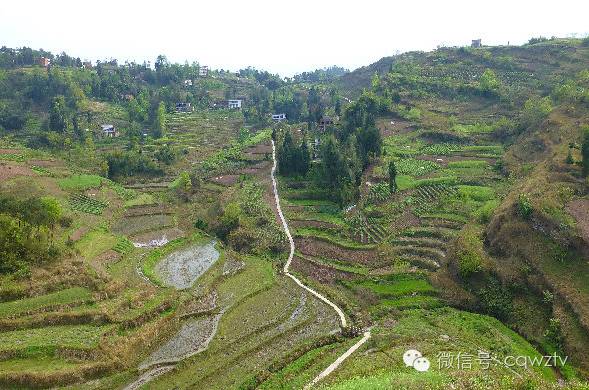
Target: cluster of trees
<point x="130" y="163"/>
<point x="293" y="159"/>
<point x="321" y="75"/>
<point x="26" y="231"/>
<point x="298" y="104"/>
<point x="344" y="153"/>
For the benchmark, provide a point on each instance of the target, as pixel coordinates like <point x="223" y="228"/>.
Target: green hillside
<point x="439" y="199"/>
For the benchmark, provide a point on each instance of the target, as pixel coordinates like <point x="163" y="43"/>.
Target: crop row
<point x="85" y="204"/>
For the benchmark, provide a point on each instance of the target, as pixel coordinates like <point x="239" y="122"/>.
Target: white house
<point x="234" y="103"/>
<point x="183" y="107"/>
<point x="203" y="71"/>
<point x="109" y="130"/>
<point x="278" y="117"/>
<point x="188" y="83"/>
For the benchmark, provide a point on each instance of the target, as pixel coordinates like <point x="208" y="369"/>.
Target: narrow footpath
<point x="340" y="313"/>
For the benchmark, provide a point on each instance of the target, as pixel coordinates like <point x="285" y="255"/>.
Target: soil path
<point x="340" y="313"/>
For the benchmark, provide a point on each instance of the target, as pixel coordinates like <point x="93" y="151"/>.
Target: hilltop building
<point x="278" y="117"/>
<point x="203" y="71"/>
<point x="109" y="131"/>
<point x="44" y="62"/>
<point x="476" y="43"/>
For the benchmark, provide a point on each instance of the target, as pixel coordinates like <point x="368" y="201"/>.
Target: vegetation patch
<point x="80" y="182"/>
<point x="63" y="297"/>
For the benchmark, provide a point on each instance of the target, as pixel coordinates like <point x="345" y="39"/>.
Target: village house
<point x="183" y="107"/>
<point x="87" y="65"/>
<point x="188" y="83"/>
<point x="324" y="122"/>
<point x="203" y="71"/>
<point x="476" y="43"/>
<point x="44" y="62"/>
<point x="109" y="131"/>
<point x="234" y="103"/>
<point x="278" y="117"/>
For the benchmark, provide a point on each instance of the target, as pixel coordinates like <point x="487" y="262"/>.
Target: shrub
<point x="485" y="212"/>
<point x="469" y="252"/>
<point x="524" y="206"/>
<point x="495" y="299"/>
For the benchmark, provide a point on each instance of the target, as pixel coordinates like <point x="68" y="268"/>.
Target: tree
<point x="585" y="152"/>
<point x="166" y="155"/>
<point x="536" y="110"/>
<point x="392" y="177"/>
<point x="159" y="125"/>
<point x="58" y="120"/>
<point x="369" y="144"/>
<point x="305" y="158"/>
<point x="489" y="82"/>
<point x="285" y="156"/>
<point x="183" y="184"/>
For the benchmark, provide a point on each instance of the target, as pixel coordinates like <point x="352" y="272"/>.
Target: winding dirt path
<point x="340" y="313"/>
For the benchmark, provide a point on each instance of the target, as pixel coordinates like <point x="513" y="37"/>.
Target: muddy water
<point x="194" y="337"/>
<point x="180" y="269"/>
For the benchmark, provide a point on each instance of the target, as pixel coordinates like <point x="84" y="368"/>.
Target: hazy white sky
<point x="284" y="37"/>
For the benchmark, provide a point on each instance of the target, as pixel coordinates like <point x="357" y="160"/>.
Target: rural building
<point x="183" y="107"/>
<point x="44" y="61"/>
<point x="203" y="71"/>
<point x="324" y="122"/>
<point x="234" y="103"/>
<point x="87" y="65"/>
<point x="278" y="117"/>
<point x="188" y="83"/>
<point x="476" y="43"/>
<point x="109" y="131"/>
<point x="219" y="104"/>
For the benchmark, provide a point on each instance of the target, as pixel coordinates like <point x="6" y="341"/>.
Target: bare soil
<point x="10" y="151"/>
<point x="318" y="272"/>
<point x="79" y="233"/>
<point x="156" y="238"/>
<point x="8" y="171"/>
<point x="318" y="248"/>
<point x="314" y="224"/>
<point x="579" y="210"/>
<point x="225" y="180"/>
<point x="260" y="149"/>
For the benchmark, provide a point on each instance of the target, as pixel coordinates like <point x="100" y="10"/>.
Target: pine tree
<point x="285" y="156"/>
<point x="159" y="125"/>
<point x="305" y="158"/>
<point x="392" y="177"/>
